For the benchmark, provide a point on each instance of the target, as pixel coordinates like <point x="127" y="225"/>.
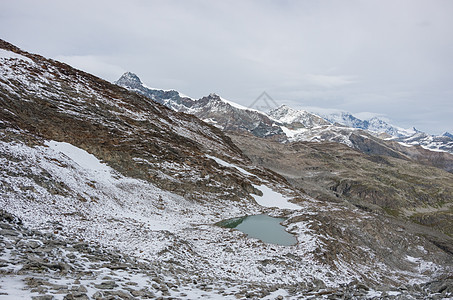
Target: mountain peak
<point x="283" y="110"/>
<point x="129" y="79"/>
<point x="214" y="96"/>
<point x="288" y="115"/>
<point x="448" y="134"/>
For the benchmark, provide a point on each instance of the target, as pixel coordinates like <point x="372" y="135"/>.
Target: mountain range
<point x="109" y="192"/>
<point x="284" y="122"/>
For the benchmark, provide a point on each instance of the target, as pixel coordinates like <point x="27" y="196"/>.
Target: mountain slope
<point x="84" y="161"/>
<point x="382" y="183"/>
<point x="132" y="134"/>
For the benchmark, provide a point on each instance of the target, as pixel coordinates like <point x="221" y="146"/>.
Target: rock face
<point x="107" y="194"/>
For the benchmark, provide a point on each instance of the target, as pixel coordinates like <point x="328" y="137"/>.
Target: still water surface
<point x="262" y="227"/>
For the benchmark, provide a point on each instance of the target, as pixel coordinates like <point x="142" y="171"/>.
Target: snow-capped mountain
<point x="374" y="124"/>
<point x="212" y="109"/>
<point x="430" y="142"/>
<point x="285" y="123"/>
<point x="447" y="134"/>
<point x="411" y="137"/>
<point x="292" y="117"/>
<point x="344" y="124"/>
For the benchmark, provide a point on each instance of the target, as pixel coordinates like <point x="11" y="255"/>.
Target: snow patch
<point x="13" y="287"/>
<point x="5" y="54"/>
<point x="228" y="165"/>
<point x="432" y="147"/>
<point x="238" y="106"/>
<point x="273" y="199"/>
<point x="80" y="156"/>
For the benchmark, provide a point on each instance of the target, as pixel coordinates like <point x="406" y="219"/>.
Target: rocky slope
<point x="117" y="197"/>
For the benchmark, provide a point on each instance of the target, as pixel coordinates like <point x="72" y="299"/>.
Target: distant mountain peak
<point x="448" y="134"/>
<point x="129" y="79"/>
<point x="286" y="114"/>
<point x="214" y="96"/>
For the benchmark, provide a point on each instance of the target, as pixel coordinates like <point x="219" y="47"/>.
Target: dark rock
<point x="8" y="232"/>
<point x="40" y="290"/>
<point x="116" y="266"/>
<point x="5" y="226"/>
<point x="35" y="282"/>
<point x="43" y="297"/>
<point x="10" y="218"/>
<point x="143" y="293"/>
<point x="361" y="286"/>
<point x="98" y="295"/>
<point x="106" y="285"/>
<point x="118" y="294"/>
<point x="32" y="244"/>
<point x="76" y="296"/>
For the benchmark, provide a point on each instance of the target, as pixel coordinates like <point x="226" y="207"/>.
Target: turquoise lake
<point x="263" y="227"/>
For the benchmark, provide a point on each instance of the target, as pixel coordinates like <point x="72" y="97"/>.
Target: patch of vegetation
<point x="441" y="220"/>
<point x="391" y="211"/>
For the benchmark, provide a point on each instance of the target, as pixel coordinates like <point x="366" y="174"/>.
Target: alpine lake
<point x="263" y="227"/>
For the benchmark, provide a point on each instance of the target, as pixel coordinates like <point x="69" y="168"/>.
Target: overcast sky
<point x="389" y="58"/>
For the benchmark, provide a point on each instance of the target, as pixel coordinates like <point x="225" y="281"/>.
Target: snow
<point x="238" y="106"/>
<point x="13" y="287"/>
<point x="184" y="96"/>
<point x="275" y="294"/>
<point x="432" y="147"/>
<point x="80" y="156"/>
<point x="412" y="259"/>
<point x="271" y="198"/>
<point x="288" y="132"/>
<point x="9" y="54"/>
<point x="228" y="165"/>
